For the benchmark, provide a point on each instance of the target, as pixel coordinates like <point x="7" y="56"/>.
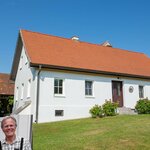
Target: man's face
<point x="9" y="127"/>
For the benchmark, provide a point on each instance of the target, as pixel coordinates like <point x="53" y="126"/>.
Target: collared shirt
<point x="16" y="144"/>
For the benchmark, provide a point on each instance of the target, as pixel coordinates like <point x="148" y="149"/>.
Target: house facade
<point x="61" y="79"/>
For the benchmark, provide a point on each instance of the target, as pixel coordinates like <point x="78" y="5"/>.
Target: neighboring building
<point x="63" y="78"/>
<point x="6" y="90"/>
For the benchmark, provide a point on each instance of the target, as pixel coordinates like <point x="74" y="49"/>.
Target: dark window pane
<point x="56" y="82"/>
<point x="60" y="82"/>
<point x="60" y="90"/>
<point x="86" y="92"/>
<point x="56" y="90"/>
<point x="90" y="92"/>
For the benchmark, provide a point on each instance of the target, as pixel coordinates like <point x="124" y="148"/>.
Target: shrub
<point x="110" y="108"/>
<point x="96" y="111"/>
<point x="143" y="106"/>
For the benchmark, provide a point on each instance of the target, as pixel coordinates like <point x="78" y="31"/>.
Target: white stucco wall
<point x="130" y="99"/>
<point x="24" y="74"/>
<point x="74" y="102"/>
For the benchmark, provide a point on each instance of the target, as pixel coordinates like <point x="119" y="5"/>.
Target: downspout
<point x="38" y="93"/>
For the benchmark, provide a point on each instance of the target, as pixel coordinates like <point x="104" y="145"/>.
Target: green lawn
<point x="124" y="132"/>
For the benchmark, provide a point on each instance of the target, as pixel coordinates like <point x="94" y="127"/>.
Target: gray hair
<point x="8" y="117"/>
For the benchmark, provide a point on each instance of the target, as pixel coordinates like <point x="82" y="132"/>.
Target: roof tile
<point x="6" y="85"/>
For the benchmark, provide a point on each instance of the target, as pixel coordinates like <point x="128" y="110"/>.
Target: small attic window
<point x="26" y="59"/>
<point x="107" y="44"/>
<point x="21" y="62"/>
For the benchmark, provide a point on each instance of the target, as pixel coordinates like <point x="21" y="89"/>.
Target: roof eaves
<point x="45" y="66"/>
<point x="16" y="58"/>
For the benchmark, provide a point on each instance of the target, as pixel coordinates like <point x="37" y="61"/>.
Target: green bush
<point x="143" y="106"/>
<point x="107" y="109"/>
<point x="110" y="108"/>
<point x="96" y="111"/>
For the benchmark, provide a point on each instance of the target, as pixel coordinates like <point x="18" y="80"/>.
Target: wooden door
<point x="117" y="93"/>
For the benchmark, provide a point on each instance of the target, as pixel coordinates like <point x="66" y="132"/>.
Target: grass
<point x="124" y="132"/>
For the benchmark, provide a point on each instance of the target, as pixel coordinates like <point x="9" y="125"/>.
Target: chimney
<point x="75" y="38"/>
<point x="107" y="44"/>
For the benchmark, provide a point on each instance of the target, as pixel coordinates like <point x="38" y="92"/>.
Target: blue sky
<point x="124" y="23"/>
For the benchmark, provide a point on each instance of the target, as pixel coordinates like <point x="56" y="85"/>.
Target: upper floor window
<point x="21" y="62"/>
<point x="17" y="92"/>
<point x="88" y="88"/>
<point x="29" y="88"/>
<point x="141" y="91"/>
<point x="22" y="90"/>
<point x="26" y="60"/>
<point x="58" y="86"/>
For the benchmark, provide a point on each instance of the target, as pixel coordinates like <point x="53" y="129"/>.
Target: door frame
<point x="120" y="98"/>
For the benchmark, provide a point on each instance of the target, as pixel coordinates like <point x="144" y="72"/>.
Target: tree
<point x="10" y="103"/>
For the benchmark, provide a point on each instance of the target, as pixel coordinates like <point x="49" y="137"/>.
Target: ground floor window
<point x="88" y="88"/>
<point x="141" y="91"/>
<point x="58" y="86"/>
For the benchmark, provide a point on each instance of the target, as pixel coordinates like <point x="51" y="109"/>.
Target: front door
<point x="117" y="94"/>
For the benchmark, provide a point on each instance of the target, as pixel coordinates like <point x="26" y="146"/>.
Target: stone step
<point x="125" y="110"/>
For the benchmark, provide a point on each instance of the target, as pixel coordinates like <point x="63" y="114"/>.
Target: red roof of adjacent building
<point x="67" y="53"/>
<point x="6" y="85"/>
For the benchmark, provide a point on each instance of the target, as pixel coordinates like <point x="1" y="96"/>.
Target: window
<point x="26" y="60"/>
<point x="141" y="91"/>
<point x="17" y="91"/>
<point x="21" y="62"/>
<point x="88" y="88"/>
<point x="22" y="90"/>
<point x="59" y="112"/>
<point x="29" y="88"/>
<point x="58" y="86"/>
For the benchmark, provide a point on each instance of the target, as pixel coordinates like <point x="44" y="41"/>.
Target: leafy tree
<point x="10" y="103"/>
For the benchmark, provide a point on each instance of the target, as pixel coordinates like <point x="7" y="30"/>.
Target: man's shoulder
<point x="3" y="141"/>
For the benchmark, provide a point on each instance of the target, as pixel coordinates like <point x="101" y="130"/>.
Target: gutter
<point x="38" y="93"/>
<point x="92" y="71"/>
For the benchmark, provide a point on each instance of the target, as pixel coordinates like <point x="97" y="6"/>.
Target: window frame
<point x="21" y="63"/>
<point x="29" y="89"/>
<point x="59" y="87"/>
<point x="17" y="93"/>
<point x="59" y="113"/>
<point x="141" y="91"/>
<point x="89" y="91"/>
<point x="22" y="91"/>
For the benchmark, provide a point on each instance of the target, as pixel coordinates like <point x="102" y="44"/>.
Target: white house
<point x="60" y="78"/>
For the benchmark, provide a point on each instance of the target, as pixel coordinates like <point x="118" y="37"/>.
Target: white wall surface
<point x="74" y="102"/>
<point x="24" y="74"/>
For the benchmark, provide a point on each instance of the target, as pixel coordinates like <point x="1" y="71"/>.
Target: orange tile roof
<point x="6" y="85"/>
<point x="57" y="51"/>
